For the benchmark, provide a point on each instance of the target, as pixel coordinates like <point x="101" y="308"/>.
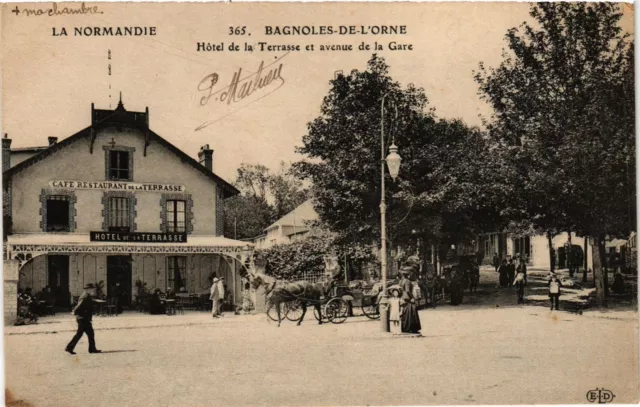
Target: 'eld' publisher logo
<point x="600" y="396"/>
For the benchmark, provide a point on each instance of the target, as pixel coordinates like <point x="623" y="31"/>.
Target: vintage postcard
<point x="312" y="204"/>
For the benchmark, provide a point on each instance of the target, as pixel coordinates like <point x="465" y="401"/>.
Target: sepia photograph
<point x="319" y="204"/>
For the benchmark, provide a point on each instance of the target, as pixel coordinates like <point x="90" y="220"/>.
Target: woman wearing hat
<point x="410" y="318"/>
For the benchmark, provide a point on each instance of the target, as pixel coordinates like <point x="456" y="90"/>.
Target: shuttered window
<point x="119" y="214"/>
<point x="176" y="219"/>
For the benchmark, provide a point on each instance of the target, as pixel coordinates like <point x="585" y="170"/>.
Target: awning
<point x="34" y="244"/>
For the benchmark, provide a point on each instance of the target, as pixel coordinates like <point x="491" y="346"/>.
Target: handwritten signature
<point x="267" y="77"/>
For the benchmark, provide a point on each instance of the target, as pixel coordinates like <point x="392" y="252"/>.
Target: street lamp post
<point x="393" y="162"/>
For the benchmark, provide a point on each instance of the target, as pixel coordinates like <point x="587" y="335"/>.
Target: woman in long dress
<point x="503" y="271"/>
<point x="410" y="318"/>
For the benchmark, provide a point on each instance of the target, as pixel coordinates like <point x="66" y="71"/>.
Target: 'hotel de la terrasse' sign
<point x="135" y="237"/>
<point x="117" y="186"/>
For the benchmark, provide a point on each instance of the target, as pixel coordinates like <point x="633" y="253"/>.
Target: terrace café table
<point x="101" y="304"/>
<point x="170" y="306"/>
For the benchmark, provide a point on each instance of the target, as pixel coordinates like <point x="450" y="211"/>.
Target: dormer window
<point x="119" y="165"/>
<point x="118" y="162"/>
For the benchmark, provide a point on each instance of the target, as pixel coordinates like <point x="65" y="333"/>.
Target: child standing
<point x="554" y="291"/>
<point x="394" y="312"/>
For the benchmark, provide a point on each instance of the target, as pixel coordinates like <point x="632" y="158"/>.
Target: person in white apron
<point x="554" y="291"/>
<point x="214" y="297"/>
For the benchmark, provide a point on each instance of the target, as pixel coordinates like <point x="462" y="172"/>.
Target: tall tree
<point x="446" y="186"/>
<point x="246" y="217"/>
<point x="560" y="99"/>
<point x="253" y="180"/>
<point x="287" y="190"/>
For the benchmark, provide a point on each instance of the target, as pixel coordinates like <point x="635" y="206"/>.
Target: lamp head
<point x="393" y="161"/>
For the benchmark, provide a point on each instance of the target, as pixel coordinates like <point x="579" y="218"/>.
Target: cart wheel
<point x="337" y="310"/>
<point x="273" y="315"/>
<point x="294" y="311"/>
<point x="324" y="315"/>
<point x="371" y="311"/>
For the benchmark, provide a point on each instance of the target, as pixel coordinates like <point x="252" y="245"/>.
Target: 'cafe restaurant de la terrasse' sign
<point x="138" y="237"/>
<point x="117" y="186"/>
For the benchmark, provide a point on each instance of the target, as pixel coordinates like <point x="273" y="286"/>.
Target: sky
<point x="49" y="82"/>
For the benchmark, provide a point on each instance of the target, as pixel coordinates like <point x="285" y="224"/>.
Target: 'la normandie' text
<point x="104" y="31"/>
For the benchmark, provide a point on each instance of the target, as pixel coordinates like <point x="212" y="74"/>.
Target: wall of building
<point x="10" y="290"/>
<point x="274" y="237"/>
<point x="540" y="248"/>
<point x="490" y="244"/>
<point x="261" y="243"/>
<point x="19" y="156"/>
<point x="74" y="162"/>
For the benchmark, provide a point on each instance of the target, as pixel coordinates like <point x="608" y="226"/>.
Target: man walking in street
<point x="84" y="313"/>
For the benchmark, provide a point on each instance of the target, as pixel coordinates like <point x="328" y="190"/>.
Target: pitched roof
<point x="297" y="217"/>
<point x="28" y="149"/>
<point x="229" y="190"/>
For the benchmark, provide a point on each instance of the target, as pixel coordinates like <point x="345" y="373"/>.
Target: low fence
<point x="311" y="276"/>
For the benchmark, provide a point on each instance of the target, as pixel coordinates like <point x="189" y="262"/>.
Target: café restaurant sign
<point x="138" y="237"/>
<point x="117" y="186"/>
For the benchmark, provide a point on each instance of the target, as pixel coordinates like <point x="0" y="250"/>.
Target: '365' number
<point x="237" y="30"/>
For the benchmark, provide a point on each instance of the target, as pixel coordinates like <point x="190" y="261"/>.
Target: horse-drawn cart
<point x="335" y="308"/>
<point x="345" y="299"/>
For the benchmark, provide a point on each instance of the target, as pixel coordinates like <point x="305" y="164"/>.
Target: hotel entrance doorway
<point x="119" y="279"/>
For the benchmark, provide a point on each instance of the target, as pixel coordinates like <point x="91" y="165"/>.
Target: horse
<point x="430" y="284"/>
<point x="279" y="292"/>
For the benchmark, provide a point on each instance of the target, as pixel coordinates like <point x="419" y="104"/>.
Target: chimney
<point x="6" y="153"/>
<point x="205" y="156"/>
<point x="52" y="141"/>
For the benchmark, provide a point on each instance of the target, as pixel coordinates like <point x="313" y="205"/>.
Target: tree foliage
<point x="448" y="179"/>
<point x="564" y="114"/>
<point x="265" y="196"/>
<point x="563" y="101"/>
<point x="305" y="257"/>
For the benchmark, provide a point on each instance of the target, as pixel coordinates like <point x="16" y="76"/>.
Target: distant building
<point x="291" y="227"/>
<point x="533" y="247"/>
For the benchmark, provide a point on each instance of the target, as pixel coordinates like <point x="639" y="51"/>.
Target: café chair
<point x="179" y="305"/>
